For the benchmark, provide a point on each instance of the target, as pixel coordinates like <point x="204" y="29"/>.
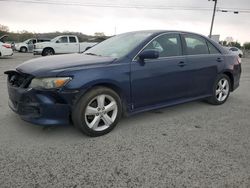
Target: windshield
<point x="26" y="41"/>
<point x="55" y="39"/>
<point x="119" y="45"/>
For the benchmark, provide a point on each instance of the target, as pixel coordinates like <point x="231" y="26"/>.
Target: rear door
<point x="73" y="45"/>
<point x="203" y="62"/>
<point x="160" y="80"/>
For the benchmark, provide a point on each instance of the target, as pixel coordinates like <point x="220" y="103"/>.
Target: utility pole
<point x="212" y="24"/>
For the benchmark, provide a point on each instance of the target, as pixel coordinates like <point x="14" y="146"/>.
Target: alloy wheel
<point x="101" y="112"/>
<point x="222" y="89"/>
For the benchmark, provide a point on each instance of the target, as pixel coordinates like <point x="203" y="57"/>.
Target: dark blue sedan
<point x="124" y="75"/>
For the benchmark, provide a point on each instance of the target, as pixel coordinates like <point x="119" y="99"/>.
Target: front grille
<point x="17" y="79"/>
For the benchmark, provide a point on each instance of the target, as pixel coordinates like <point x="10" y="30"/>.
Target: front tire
<point x="23" y="49"/>
<point x="221" y="90"/>
<point x="97" y="112"/>
<point x="48" y="52"/>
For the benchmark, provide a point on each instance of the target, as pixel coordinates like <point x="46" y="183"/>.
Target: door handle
<point x="219" y="59"/>
<point x="182" y="64"/>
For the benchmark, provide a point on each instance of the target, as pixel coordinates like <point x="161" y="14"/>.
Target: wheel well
<point x="23" y="47"/>
<point x="48" y="48"/>
<point x="110" y="86"/>
<point x="230" y="75"/>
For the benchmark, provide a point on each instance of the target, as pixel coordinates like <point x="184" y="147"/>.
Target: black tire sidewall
<point x="23" y="51"/>
<point x="47" y="51"/>
<point x="80" y="107"/>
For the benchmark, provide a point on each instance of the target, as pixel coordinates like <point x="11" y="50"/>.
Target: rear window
<point x="195" y="45"/>
<point x="212" y="49"/>
<point x="72" y="39"/>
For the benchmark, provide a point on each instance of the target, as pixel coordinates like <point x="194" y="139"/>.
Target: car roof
<point x="165" y="31"/>
<point x="154" y="33"/>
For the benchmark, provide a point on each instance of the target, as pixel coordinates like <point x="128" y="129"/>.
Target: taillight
<point x="6" y="45"/>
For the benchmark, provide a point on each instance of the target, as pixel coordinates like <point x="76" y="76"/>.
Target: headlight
<point x="49" y="83"/>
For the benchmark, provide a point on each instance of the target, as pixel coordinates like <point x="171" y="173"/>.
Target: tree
<point x="4" y="28"/>
<point x="223" y="43"/>
<point x="235" y="44"/>
<point x="247" y="45"/>
<point x="99" y="34"/>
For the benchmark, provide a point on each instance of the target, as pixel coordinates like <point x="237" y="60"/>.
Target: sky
<point x="169" y="15"/>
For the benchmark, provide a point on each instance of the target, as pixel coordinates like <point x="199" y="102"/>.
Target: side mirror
<point x="149" y="54"/>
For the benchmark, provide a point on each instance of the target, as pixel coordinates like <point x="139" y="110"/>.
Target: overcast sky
<point x="48" y="18"/>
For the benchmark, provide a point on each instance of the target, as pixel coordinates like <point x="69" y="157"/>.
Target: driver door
<point x="162" y="80"/>
<point x="62" y="45"/>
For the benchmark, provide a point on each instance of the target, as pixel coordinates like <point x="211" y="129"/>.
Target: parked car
<point x="5" y="48"/>
<point x="236" y="51"/>
<point x="123" y="75"/>
<point x="28" y="45"/>
<point x="62" y="45"/>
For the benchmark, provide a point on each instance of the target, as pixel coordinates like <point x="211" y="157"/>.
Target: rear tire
<point x="97" y="112"/>
<point x="221" y="90"/>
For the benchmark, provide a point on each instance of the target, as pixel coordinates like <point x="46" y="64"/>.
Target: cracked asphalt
<point x="189" y="145"/>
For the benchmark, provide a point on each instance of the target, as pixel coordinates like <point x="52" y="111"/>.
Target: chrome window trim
<point x="182" y="56"/>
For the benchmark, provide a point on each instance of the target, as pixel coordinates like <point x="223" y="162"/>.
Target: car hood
<point x="19" y="43"/>
<point x="53" y="65"/>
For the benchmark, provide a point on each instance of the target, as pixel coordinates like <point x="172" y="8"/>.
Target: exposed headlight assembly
<point x="49" y="83"/>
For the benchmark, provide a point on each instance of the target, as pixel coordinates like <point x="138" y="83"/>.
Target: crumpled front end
<point x="36" y="106"/>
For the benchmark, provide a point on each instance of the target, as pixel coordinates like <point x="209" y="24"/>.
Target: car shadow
<point x="6" y="57"/>
<point x="68" y="132"/>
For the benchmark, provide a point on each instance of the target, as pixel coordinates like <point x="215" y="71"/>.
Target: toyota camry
<point x="123" y="75"/>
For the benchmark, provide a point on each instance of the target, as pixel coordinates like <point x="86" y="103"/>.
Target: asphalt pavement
<point x="189" y="145"/>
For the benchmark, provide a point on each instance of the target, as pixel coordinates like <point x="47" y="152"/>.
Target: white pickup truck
<point x="61" y="45"/>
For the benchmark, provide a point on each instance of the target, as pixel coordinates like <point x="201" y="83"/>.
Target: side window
<point x="195" y="45"/>
<point x="62" y="40"/>
<point x="212" y="49"/>
<point x="72" y="39"/>
<point x="168" y="45"/>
